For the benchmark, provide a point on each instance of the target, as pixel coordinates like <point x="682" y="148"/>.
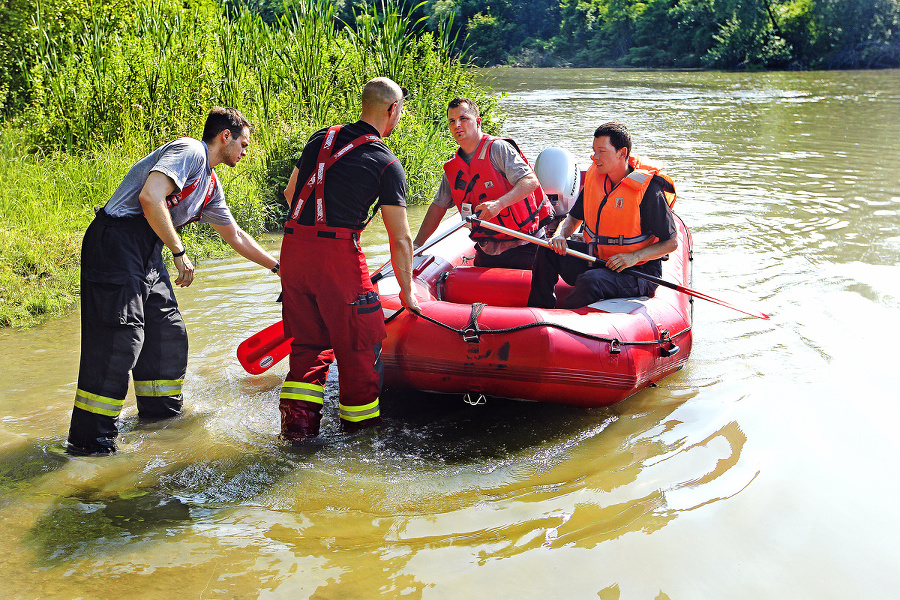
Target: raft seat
<point x="494" y="287"/>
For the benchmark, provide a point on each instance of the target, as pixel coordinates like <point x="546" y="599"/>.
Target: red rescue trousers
<point x="331" y="310"/>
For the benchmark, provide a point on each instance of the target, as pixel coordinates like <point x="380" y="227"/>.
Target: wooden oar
<point x="265" y="348"/>
<point x="594" y="259"/>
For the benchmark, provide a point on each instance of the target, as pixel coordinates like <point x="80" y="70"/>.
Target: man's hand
<point x="409" y="301"/>
<point x="558" y="244"/>
<point x="488" y="210"/>
<point x="619" y="262"/>
<point x="185" y="270"/>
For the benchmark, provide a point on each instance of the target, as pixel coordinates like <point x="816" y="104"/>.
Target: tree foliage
<point x="729" y="34"/>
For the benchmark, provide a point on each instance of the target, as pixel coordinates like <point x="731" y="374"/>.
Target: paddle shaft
<point x="595" y="260"/>
<point x="380" y="273"/>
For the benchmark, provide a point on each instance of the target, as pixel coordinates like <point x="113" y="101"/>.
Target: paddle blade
<point x="262" y="350"/>
<point x="696" y="294"/>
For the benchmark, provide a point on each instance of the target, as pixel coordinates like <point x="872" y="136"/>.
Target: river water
<point x="767" y="468"/>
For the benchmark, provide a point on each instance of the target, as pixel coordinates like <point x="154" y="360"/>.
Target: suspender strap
<point x="175" y="199"/>
<point x="316" y="182"/>
<point x="209" y="193"/>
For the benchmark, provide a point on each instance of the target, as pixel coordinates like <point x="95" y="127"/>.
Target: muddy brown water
<point x="767" y="468"/>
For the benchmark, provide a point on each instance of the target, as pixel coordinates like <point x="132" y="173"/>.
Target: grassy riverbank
<point x="96" y="91"/>
<point x="48" y="200"/>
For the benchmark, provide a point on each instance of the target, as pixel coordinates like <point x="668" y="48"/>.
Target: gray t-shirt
<point x="186" y="162"/>
<point x="506" y="160"/>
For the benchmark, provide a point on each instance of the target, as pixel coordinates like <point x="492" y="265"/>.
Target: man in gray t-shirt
<point x="130" y="323"/>
<point x="186" y="162"/>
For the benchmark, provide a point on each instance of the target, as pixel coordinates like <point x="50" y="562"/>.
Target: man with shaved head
<point x="330" y="307"/>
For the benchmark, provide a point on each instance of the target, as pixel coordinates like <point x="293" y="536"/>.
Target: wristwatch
<point x="276" y="267"/>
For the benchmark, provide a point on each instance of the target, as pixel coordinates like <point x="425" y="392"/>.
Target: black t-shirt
<point x="656" y="217"/>
<point x="354" y="183"/>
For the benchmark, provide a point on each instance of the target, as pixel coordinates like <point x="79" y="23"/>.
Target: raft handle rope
<point x="472" y="332"/>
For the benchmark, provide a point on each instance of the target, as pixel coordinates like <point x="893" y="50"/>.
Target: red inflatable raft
<point x="475" y="335"/>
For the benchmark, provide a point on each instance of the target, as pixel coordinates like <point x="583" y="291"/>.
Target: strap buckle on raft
<point x="615" y="347"/>
<point x="471" y="334"/>
<point x="467" y="398"/>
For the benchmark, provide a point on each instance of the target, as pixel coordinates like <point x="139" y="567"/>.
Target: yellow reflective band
<point x="360" y="413"/>
<point x="100" y="405"/>
<point x="309" y="392"/>
<point x="158" y="387"/>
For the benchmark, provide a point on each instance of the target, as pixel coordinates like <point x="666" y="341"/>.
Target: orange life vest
<point x="479" y="182"/>
<point x="612" y="220"/>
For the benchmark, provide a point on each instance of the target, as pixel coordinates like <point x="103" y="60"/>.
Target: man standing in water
<point x="330" y="306"/>
<point x="626" y="209"/>
<point x="129" y="316"/>
<point x="492" y="180"/>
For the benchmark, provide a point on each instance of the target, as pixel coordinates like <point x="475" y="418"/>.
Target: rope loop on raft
<point x="472" y="332"/>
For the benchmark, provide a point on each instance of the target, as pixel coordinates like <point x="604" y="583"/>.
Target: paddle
<point x="265" y="348"/>
<point x="594" y="259"/>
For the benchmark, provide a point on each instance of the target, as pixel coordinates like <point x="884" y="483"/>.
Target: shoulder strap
<point x="325" y="159"/>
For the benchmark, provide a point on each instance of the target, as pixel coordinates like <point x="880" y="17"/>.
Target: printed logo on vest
<point x="488" y="184"/>
<point x="620" y="202"/>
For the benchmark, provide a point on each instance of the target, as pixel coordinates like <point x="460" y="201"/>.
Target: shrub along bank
<point x="96" y="86"/>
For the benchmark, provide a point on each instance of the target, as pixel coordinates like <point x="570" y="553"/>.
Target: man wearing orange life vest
<point x="626" y="209"/>
<point x="490" y="178"/>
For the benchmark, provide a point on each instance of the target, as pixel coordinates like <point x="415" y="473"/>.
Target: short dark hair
<point x="617" y="133"/>
<point x="221" y="118"/>
<point x="473" y="108"/>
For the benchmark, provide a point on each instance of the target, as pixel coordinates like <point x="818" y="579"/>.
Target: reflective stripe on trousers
<point x="159" y="388"/>
<point x="308" y="392"/>
<point x="355" y="414"/>
<point x="97" y="404"/>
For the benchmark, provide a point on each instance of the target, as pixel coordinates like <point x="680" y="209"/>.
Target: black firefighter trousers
<point x="129" y="323"/>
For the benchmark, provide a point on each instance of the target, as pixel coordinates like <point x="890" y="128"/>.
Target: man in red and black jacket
<point x="490" y="178"/>
<point x="330" y="307"/>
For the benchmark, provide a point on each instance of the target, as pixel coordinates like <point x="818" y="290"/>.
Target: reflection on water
<point x="760" y="470"/>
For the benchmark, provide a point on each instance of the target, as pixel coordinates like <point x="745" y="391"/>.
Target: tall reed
<point x="114" y="85"/>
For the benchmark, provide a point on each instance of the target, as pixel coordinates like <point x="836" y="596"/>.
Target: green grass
<point x="47" y="202"/>
<point x="101" y="91"/>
